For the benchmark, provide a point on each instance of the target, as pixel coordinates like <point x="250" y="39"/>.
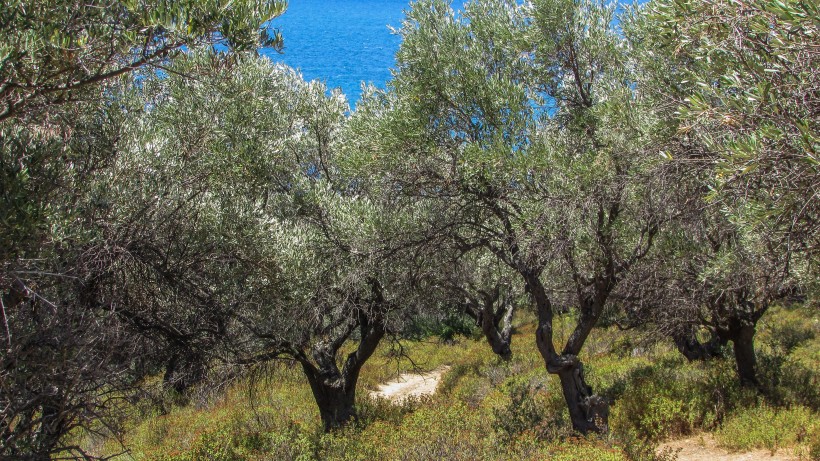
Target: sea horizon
<point x="343" y="43"/>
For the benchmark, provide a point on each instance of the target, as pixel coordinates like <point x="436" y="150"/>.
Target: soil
<point x="704" y="448"/>
<point x="410" y="385"/>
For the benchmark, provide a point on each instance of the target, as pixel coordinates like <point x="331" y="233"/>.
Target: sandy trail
<point x="410" y="385"/>
<point x="704" y="448"/>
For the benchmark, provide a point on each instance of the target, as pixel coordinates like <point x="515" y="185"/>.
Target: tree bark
<point x="588" y="411"/>
<point x="334" y="389"/>
<point x="743" y="344"/>
<point x="335" y="397"/>
<point x="499" y="344"/>
<point x="495" y="324"/>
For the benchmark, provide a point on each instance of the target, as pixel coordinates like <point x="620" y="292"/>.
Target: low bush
<point x="486" y="408"/>
<point x="767" y="427"/>
<point x="524" y="411"/>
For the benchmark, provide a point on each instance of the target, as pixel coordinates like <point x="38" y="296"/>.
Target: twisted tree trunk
<point x="737" y="322"/>
<point x="495" y="323"/>
<point x="334" y="389"/>
<point x="588" y="411"/>
<point x="335" y="396"/>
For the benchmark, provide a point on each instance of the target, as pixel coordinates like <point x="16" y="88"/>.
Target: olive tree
<point x="274" y="250"/>
<point x="521" y="124"/>
<point x="66" y="357"/>
<point x="154" y="236"/>
<point x="346" y="285"/>
<point x="488" y="296"/>
<point x="735" y="88"/>
<point x="63" y="365"/>
<point x="709" y="274"/>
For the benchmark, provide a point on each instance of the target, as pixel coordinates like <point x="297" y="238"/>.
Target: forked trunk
<point x="334" y="389"/>
<point x="497" y="327"/>
<point x="588" y="411"/>
<point x="499" y="344"/>
<point x="336" y="403"/>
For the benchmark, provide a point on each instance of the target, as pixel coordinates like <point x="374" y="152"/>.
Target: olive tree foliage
<point x="520" y="125"/>
<point x="208" y="162"/>
<point x="736" y="85"/>
<point x="149" y="241"/>
<point x="741" y="79"/>
<point x="240" y="161"/>
<point x="61" y="360"/>
<point x="52" y="50"/>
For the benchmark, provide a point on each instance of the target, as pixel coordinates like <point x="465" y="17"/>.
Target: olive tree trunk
<point x="588" y="411"/>
<point x="495" y="322"/>
<point x="334" y="389"/>
<point x="335" y="396"/>
<point x="690" y="347"/>
<point x="744" y="349"/>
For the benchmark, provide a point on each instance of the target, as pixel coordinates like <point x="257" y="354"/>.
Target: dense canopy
<point x="176" y="211"/>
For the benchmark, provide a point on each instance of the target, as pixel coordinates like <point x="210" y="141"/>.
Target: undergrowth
<point x="486" y="408"/>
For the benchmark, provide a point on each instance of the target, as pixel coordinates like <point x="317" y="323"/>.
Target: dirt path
<point x="704" y="448"/>
<point x="410" y="384"/>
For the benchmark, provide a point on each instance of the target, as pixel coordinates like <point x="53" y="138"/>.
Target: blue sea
<point x="344" y="42"/>
<point x="341" y="42"/>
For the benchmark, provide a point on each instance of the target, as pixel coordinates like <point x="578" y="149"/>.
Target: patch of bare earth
<point x="410" y="385"/>
<point x="704" y="448"/>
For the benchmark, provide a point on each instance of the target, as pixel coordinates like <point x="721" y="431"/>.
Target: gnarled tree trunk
<point x="335" y="396"/>
<point x="334" y="389"/>
<point x="588" y="411"/>
<point x="495" y="323"/>
<point x="737" y="322"/>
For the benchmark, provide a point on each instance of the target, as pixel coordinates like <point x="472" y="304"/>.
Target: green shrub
<point x="371" y="410"/>
<point x="523" y="412"/>
<point x="445" y="328"/>
<point x="656" y="404"/>
<point x="787" y="381"/>
<point x="637" y="448"/>
<point x="767" y="427"/>
<point x="786" y="328"/>
<point x="814" y="446"/>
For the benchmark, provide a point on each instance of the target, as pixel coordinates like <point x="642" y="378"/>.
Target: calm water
<point x="344" y="42"/>
<point x="341" y="42"/>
